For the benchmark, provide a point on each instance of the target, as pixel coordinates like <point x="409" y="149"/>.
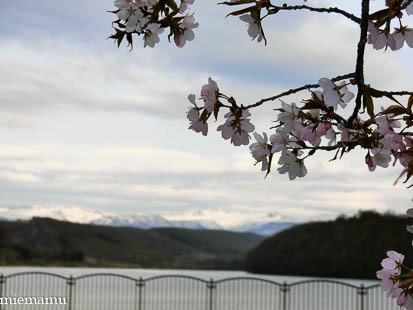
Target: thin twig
<point x="359" y="73"/>
<point x="399" y="93"/>
<point x="296" y="90"/>
<point x="320" y="10"/>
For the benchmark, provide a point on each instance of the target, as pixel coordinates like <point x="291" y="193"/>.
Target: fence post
<point x="285" y="288"/>
<point x="2" y="281"/>
<point x="140" y="284"/>
<point x="70" y="282"/>
<point x="362" y="292"/>
<point x="211" y="285"/>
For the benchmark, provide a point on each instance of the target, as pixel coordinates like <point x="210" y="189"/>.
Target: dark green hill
<point x="44" y="241"/>
<point x="345" y="248"/>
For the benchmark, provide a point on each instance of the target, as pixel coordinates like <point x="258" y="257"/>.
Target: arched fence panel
<point x="34" y="291"/>
<point x="323" y="295"/>
<point x="175" y="293"/>
<point x="376" y="299"/>
<point x="37" y="290"/>
<point x="247" y="294"/>
<point x="104" y="292"/>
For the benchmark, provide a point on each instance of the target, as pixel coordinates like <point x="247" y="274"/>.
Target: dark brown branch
<point x="359" y="73"/>
<point x="399" y="93"/>
<point x="320" y="10"/>
<point x="296" y="90"/>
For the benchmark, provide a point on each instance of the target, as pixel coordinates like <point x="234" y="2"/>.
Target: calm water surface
<point x="146" y="273"/>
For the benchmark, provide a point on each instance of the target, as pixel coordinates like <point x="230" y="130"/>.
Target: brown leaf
<point x="410" y="103"/>
<point x="239" y="12"/>
<point x="396" y="110"/>
<point x="237" y="2"/>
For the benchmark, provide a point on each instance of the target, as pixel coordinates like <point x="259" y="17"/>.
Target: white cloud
<point x="94" y="127"/>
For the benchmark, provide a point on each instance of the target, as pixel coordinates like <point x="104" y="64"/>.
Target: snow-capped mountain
<point x="152" y="221"/>
<point x="266" y="229"/>
<point x="133" y="220"/>
<point x="266" y="226"/>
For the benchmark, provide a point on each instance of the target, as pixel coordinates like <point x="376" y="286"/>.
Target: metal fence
<point x="105" y="291"/>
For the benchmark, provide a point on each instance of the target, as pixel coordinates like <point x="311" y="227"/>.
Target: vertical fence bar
<point x="2" y="280"/>
<point x="284" y="288"/>
<point x="140" y="284"/>
<point x="211" y="285"/>
<point x="362" y="292"/>
<point x="70" y="282"/>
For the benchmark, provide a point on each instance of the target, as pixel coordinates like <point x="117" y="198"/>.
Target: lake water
<point x="147" y="273"/>
<point x="166" y="289"/>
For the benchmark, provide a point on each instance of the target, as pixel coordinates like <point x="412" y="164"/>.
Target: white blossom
<point x="188" y="23"/>
<point x="152" y="32"/>
<point x="279" y="141"/>
<point x="208" y="93"/>
<point x="254" y="30"/>
<point x="260" y="151"/>
<point x="237" y="129"/>
<point x="291" y="164"/>
<point x="289" y="118"/>
<point x="184" y="5"/>
<point x="381" y="157"/>
<point x="409" y="9"/>
<point x="333" y="94"/>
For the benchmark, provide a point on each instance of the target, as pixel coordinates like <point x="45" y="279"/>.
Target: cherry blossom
<point x="186" y="27"/>
<point x="279" y="141"/>
<point x="309" y="134"/>
<point x="254" y="30"/>
<point x="237" y="129"/>
<point x="393" y="262"/>
<point x="121" y="4"/>
<point x="322" y="129"/>
<point x="184" y="5"/>
<point x="381" y="157"/>
<point x="333" y="94"/>
<point x="291" y="164"/>
<point x="289" y="117"/>
<point x="409" y="9"/>
<point x="260" y="151"/>
<point x="209" y="94"/>
<point x="401" y="35"/>
<point x="151" y="36"/>
<point x="196" y="124"/>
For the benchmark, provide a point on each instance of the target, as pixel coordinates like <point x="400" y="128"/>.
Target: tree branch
<point x="296" y="90"/>
<point x="359" y="73"/>
<point x="320" y="10"/>
<point x="399" y="93"/>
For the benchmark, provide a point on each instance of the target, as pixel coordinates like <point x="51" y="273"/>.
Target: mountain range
<point x="47" y="242"/>
<point x="154" y="221"/>
<point x="266" y="227"/>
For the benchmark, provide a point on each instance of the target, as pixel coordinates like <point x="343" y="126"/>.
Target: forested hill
<point x="344" y="248"/>
<point x="44" y="241"/>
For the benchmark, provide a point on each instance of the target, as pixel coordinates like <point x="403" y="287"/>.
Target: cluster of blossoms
<point x="150" y="17"/>
<point x="380" y="35"/>
<point x="237" y="125"/>
<point x="300" y="131"/>
<point x="396" y="284"/>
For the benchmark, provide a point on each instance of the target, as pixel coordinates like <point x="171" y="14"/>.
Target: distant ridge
<point x="45" y="241"/>
<point x="265" y="227"/>
<point x="153" y="221"/>
<point x="348" y="247"/>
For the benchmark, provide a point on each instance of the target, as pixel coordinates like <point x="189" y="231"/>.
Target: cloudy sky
<point x="86" y="128"/>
